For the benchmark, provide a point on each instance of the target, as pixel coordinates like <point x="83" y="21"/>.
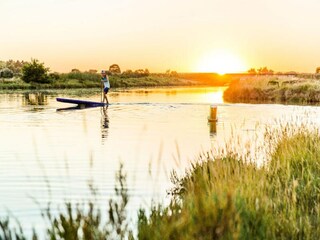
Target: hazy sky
<point x="182" y="35"/>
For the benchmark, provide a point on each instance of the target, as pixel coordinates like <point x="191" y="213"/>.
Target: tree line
<point x="36" y="72"/>
<point x="115" y="69"/>
<point x="10" y="68"/>
<point x="266" y="71"/>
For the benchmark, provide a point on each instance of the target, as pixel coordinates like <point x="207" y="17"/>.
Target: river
<point x="48" y="155"/>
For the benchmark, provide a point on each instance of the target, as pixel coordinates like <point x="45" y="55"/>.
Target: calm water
<point x="52" y="156"/>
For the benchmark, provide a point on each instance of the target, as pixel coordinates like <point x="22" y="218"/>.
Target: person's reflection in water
<point x="104" y="123"/>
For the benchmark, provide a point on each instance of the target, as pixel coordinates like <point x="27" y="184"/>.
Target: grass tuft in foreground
<point x="230" y="198"/>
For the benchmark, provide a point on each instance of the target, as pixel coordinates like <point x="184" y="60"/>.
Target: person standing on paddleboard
<point x="105" y="84"/>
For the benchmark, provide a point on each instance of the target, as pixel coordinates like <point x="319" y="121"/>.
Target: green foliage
<point x="81" y="77"/>
<point x="230" y="198"/>
<point x="15" y="66"/>
<point x="276" y="89"/>
<point x="2" y="64"/>
<point x="54" y="76"/>
<point x="75" y="222"/>
<point x="81" y="221"/>
<point x="77" y="79"/>
<point x="117" y="207"/>
<point x="8" y="232"/>
<point x="6" y="73"/>
<point x="208" y="204"/>
<point x="35" y="72"/>
<point x="89" y="80"/>
<point x="136" y="74"/>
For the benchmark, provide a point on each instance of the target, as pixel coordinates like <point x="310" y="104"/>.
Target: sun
<point x="221" y="62"/>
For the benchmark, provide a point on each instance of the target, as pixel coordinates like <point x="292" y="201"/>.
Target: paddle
<point x="101" y="92"/>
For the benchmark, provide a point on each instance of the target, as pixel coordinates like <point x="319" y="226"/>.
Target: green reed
<point x="231" y="198"/>
<point x="274" y="89"/>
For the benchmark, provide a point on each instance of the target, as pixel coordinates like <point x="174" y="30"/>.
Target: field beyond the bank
<point x="291" y="89"/>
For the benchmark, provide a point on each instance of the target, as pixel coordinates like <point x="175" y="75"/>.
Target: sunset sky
<point x="181" y="35"/>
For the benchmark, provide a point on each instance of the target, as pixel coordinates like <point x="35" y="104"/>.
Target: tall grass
<point x="79" y="221"/>
<point x="231" y="198"/>
<point x="228" y="197"/>
<point x="275" y="89"/>
<point x="90" y="80"/>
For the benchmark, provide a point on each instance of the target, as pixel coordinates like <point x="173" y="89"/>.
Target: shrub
<point x="6" y="73"/>
<point x="136" y="74"/>
<point x="54" y="76"/>
<point x="35" y="72"/>
<point x="114" y="69"/>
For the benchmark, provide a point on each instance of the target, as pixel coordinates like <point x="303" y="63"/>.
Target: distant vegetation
<point x="35" y="72"/>
<point x="260" y="84"/>
<point x="6" y="73"/>
<point x="114" y="69"/>
<point x="263" y="85"/>
<point x="35" y="75"/>
<point x="260" y="71"/>
<point x="228" y="197"/>
<point x="14" y="66"/>
<point x="302" y="88"/>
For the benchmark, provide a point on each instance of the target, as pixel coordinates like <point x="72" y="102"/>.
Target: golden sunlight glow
<point x="221" y="62"/>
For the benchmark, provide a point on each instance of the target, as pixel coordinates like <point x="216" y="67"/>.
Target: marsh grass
<point x="274" y="89"/>
<point x="90" y="80"/>
<point x="231" y="198"/>
<point x="74" y="80"/>
<point x="225" y="197"/>
<point x="81" y="221"/>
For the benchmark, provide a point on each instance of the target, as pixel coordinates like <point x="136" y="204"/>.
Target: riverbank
<point x="284" y="89"/>
<point x="88" y="80"/>
<point x="224" y="198"/>
<point x="116" y="82"/>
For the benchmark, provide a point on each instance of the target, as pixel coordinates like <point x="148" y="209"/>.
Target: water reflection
<point x="171" y="93"/>
<point x="104" y="122"/>
<point x="56" y="140"/>
<point x="35" y="99"/>
<point x="68" y="108"/>
<point x="212" y="120"/>
<point x="77" y="107"/>
<point x="212" y="129"/>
